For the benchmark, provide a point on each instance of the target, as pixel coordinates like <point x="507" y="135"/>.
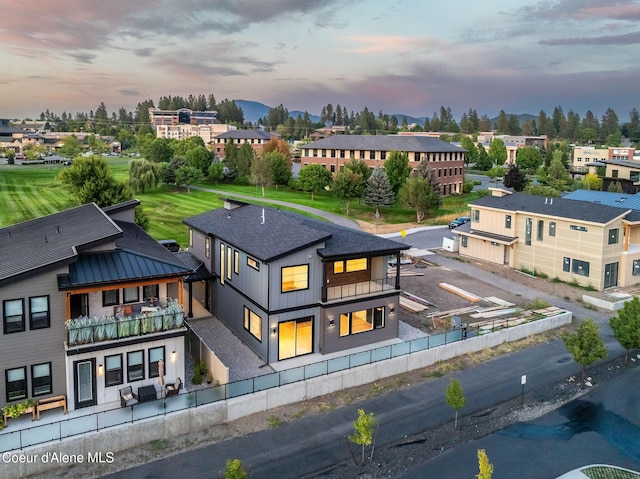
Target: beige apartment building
<point x="445" y="159"/>
<point x="594" y="244"/>
<point x="182" y="131"/>
<point x="584" y="155"/>
<point x="258" y="139"/>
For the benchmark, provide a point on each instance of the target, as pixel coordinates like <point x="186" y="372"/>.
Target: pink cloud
<point x="385" y="43"/>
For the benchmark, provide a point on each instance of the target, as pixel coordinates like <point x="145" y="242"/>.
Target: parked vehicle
<point x="459" y="221"/>
<point x="170" y="244"/>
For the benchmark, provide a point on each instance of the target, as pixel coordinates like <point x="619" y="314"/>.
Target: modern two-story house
<point x="289" y="285"/>
<point x="87" y="307"/>
<point x="594" y="244"/>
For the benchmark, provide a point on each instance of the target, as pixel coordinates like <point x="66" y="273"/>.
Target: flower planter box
<point x="28" y="410"/>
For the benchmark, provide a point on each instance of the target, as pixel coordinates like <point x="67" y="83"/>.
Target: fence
<point x="56" y="431"/>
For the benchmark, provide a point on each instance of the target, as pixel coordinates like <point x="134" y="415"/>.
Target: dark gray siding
<point x="28" y="348"/>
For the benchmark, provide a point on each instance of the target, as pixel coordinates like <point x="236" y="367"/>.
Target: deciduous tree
<point x="347" y="186"/>
<point x="199" y="157"/>
<point x="486" y="468"/>
<point x="261" y="172"/>
<point x="455" y="398"/>
<point x="626" y="326"/>
<point x="143" y="175"/>
<point x="585" y="344"/>
<point x="188" y="175"/>
<point x="515" y="178"/>
<point x="419" y="195"/>
<point x="89" y="180"/>
<point x="497" y="151"/>
<point x="280" y="165"/>
<point x="364" y="429"/>
<point x="313" y="178"/>
<point x="397" y="168"/>
<point x="215" y="172"/>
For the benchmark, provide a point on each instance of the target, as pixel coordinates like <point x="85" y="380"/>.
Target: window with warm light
<point x="361" y="321"/>
<point x="253" y="323"/>
<point x="295" y="278"/>
<point x="359" y="264"/>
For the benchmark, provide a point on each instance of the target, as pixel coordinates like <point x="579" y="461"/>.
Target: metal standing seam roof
<point x="52" y="239"/>
<point x="273" y="234"/>
<point x="118" y="266"/>
<point x="383" y="143"/>
<point x="620" y="200"/>
<point x="558" y="207"/>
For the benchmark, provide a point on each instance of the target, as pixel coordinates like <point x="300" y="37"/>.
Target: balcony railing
<point x="85" y="330"/>
<point x="359" y="289"/>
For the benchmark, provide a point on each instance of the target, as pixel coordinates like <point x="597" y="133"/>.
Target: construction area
<point x="436" y="299"/>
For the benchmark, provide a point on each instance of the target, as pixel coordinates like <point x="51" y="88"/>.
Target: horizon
<point x="519" y="56"/>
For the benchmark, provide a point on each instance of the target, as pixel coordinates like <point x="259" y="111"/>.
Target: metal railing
<point x="359" y="289"/>
<point x="56" y="431"/>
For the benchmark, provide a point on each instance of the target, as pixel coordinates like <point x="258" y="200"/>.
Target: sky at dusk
<point x="408" y="57"/>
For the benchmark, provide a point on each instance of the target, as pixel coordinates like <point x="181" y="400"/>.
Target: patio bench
<point x="51" y="403"/>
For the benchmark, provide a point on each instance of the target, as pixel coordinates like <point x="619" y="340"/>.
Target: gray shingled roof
<point x="52" y="239"/>
<point x="383" y="143"/>
<point x="283" y="233"/>
<point x="559" y="207"/>
<point x="246" y="135"/>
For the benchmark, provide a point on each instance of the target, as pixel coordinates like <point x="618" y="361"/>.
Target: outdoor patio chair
<point x="173" y="389"/>
<point x="127" y="397"/>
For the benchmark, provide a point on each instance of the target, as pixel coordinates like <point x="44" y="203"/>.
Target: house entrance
<point x="610" y="275"/>
<point x="295" y="338"/>
<point x="84" y="382"/>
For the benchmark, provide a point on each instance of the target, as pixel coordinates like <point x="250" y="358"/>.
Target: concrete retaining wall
<point x="110" y="441"/>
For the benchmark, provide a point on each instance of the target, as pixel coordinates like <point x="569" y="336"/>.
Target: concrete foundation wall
<point x="197" y="419"/>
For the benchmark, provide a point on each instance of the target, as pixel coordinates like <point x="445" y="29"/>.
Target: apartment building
<point x="258" y="139"/>
<point x="592" y="243"/>
<point x="319" y="288"/>
<point x="445" y="159"/>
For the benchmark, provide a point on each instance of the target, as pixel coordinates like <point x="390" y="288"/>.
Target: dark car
<point x="459" y="221"/>
<point x="171" y="245"/>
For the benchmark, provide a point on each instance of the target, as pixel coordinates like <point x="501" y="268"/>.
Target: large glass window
<point x="528" y="226"/>
<point x="113" y="372"/>
<point x="361" y="321"/>
<point x="155" y="355"/>
<point x="16" y="383"/>
<point x="131" y="295"/>
<point x="135" y="366"/>
<point x="295" y="278"/>
<point x="359" y="264"/>
<point x="580" y="267"/>
<point x="41" y="379"/>
<point x="39" y="312"/>
<point x="111" y="297"/>
<point x="13" y="314"/>
<point x="613" y="236"/>
<point x="150" y="293"/>
<point x="253" y="323"/>
<point x="540" y="230"/>
<point x="295" y="338"/>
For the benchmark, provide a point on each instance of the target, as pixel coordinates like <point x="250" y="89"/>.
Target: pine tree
<point x="378" y="191"/>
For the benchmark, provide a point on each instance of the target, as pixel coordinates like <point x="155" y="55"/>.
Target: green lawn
<point x="28" y="192"/>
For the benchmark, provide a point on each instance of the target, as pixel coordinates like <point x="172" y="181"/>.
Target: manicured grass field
<point x="28" y="192"/>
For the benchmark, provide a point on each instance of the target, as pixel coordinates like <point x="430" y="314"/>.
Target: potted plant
<point x="209" y="377"/>
<point x="18" y="409"/>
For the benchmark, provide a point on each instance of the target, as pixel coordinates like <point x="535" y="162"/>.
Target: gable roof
<point x="384" y="143"/>
<point x="558" y="207"/>
<point x="268" y="234"/>
<point x="52" y="239"/>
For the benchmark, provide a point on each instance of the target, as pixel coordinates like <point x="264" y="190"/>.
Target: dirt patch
<point x="383" y="228"/>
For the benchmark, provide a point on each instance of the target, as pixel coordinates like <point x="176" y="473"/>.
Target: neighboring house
<point x="258" y="139"/>
<point x="289" y="285"/>
<point x="445" y="159"/>
<point x="594" y="244"/>
<point x="624" y="173"/>
<point x="586" y="156"/>
<point x="79" y="290"/>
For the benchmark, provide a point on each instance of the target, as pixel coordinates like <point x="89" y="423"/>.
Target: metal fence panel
<point x="291" y="375"/>
<point x="380" y="354"/>
<point x="115" y="417"/>
<point x="78" y="425"/>
<point x="267" y="381"/>
<point x="400" y="349"/>
<point x="315" y="370"/>
<point x="9" y="441"/>
<point x="240" y="388"/>
<point x="358" y="359"/>
<point x="338" y="364"/>
<point x="40" y="434"/>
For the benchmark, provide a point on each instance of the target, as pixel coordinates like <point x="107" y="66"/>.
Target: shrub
<point x="197" y="377"/>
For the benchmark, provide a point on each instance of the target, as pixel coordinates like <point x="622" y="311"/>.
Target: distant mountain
<point x="410" y="119"/>
<point x="254" y="111"/>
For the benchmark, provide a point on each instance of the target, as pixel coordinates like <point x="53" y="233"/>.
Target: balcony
<point x="85" y="330"/>
<point x="364" y="288"/>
